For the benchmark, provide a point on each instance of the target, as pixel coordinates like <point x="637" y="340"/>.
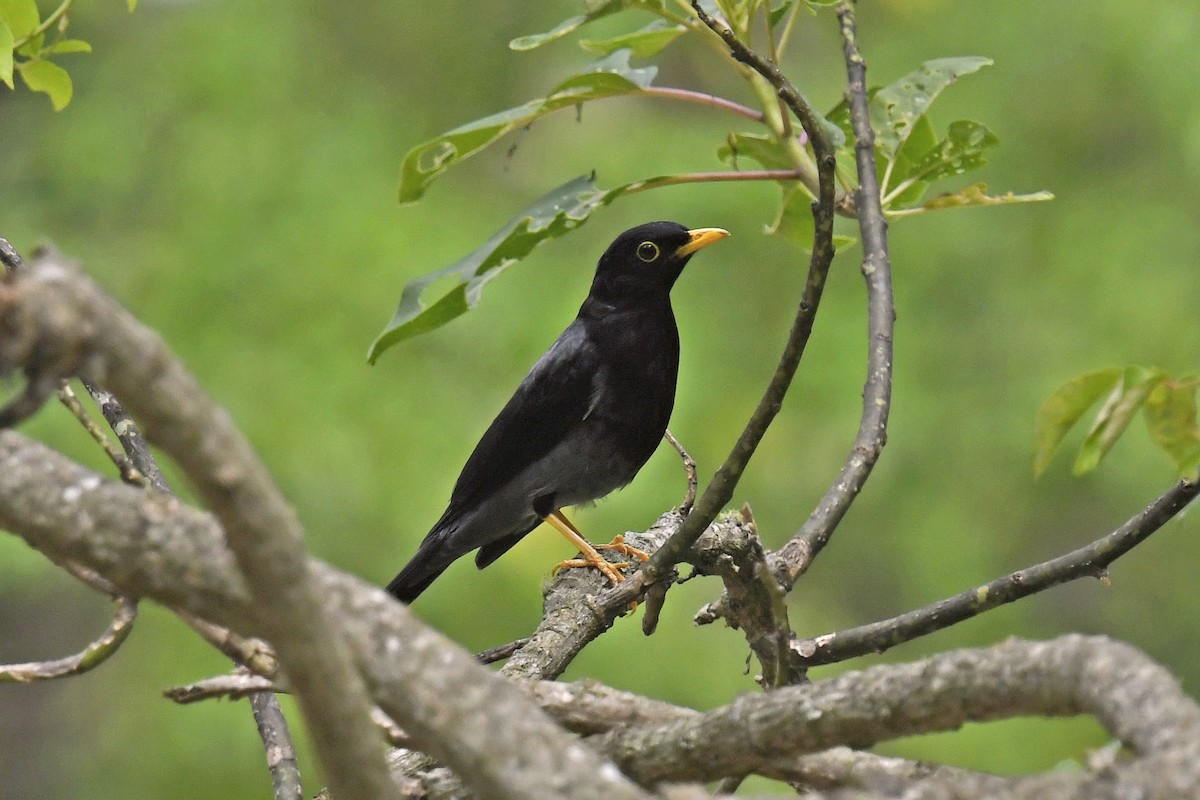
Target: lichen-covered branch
<point x="154" y="546"/>
<point x="56" y="324"/>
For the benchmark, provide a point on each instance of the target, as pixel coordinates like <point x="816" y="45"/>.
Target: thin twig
<point x="704" y="98"/>
<point x="234" y="687"/>
<point x="126" y="430"/>
<point x="719" y="491"/>
<point x="1085" y="562"/>
<point x="500" y="652"/>
<point x="9" y="256"/>
<point x="795" y="557"/>
<point x="277" y="745"/>
<point x="253" y="654"/>
<point x="89" y="658"/>
<point x="689" y="466"/>
<point x="129" y="473"/>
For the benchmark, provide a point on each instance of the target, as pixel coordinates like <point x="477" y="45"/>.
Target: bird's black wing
<point x="556" y="395"/>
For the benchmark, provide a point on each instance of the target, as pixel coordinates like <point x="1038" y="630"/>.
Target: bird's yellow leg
<point x="591" y="558"/>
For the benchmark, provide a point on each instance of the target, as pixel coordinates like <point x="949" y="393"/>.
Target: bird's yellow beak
<point x="701" y="237"/>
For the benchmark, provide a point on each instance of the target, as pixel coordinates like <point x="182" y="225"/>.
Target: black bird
<point x="583" y="421"/>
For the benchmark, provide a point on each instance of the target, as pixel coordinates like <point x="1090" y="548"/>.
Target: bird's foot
<point x="618" y="544"/>
<point x="607" y="568"/>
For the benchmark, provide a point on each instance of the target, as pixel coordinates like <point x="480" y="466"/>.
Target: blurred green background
<point x="228" y="170"/>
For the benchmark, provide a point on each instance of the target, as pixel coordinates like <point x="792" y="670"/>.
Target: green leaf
<point x="795" y="223"/>
<point x="48" y="77"/>
<point x="644" y="43"/>
<point x="608" y="77"/>
<point x="559" y="211"/>
<point x="68" y="46"/>
<point x="1064" y="408"/>
<point x="896" y="108"/>
<point x="132" y="6"/>
<point x="593" y="10"/>
<point x="976" y="195"/>
<point x="761" y="148"/>
<point x="1170" y="413"/>
<point x="737" y="13"/>
<point x="1123" y="402"/>
<point x="777" y="12"/>
<point x="21" y="17"/>
<point x="6" y="56"/>
<point x="921" y="140"/>
<point x="961" y="151"/>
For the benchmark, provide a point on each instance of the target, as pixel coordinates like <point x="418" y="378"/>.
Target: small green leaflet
<point x="609" y="77"/>
<point x="1170" y="413"/>
<point x="6" y="56"/>
<point x="1064" y="408"/>
<point x="557" y="212"/>
<point x="21" y="17"/>
<point x="1116" y="413"/>
<point x="48" y="77"/>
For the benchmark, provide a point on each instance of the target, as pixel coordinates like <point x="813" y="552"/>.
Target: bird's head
<point x="646" y="260"/>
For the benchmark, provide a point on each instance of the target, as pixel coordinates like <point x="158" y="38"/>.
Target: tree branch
<point x="794" y="558"/>
<point x="1138" y="701"/>
<point x="139" y="467"/>
<point x="1088" y="561"/>
<point x="89" y="658"/>
<point x="57" y="324"/>
<point x="152" y="545"/>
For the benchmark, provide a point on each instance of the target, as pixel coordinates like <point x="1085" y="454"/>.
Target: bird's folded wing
<point x="556" y="395"/>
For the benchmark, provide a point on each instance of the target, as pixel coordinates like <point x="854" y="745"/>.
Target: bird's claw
<point x="608" y="568"/>
<point x="618" y="544"/>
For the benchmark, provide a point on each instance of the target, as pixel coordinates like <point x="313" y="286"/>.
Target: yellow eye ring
<point x="647" y="251"/>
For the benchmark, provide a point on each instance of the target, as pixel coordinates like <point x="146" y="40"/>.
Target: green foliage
<point x="1168" y="405"/>
<point x="912" y="156"/>
<point x="644" y="43"/>
<point x="24" y="33"/>
<point x="608" y="77"/>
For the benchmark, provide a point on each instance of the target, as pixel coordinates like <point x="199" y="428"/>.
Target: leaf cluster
<point x="29" y="44"/>
<point x="1167" y="403"/>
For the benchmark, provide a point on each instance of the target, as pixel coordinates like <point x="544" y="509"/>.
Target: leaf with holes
<point x="896" y="108"/>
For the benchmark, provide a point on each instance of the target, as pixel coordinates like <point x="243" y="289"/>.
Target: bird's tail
<point x="431" y="560"/>
<point x="413" y="579"/>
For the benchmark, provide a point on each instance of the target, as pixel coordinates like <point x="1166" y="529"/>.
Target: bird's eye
<point x="647" y="251"/>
